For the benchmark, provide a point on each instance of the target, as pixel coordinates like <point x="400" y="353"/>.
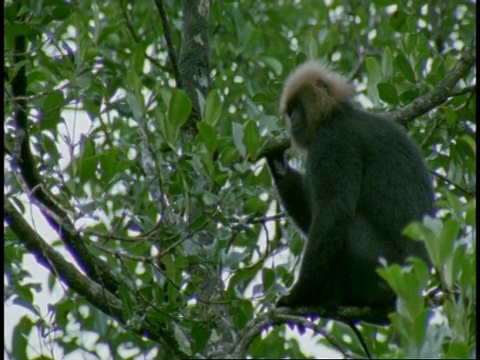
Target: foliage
<point x="191" y="223"/>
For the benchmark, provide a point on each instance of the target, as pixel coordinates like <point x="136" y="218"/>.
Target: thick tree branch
<point x="193" y="61"/>
<point x="56" y="263"/>
<point x="144" y="324"/>
<point x="420" y="106"/>
<point x="440" y="93"/>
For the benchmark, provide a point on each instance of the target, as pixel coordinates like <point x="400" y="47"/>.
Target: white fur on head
<point x="320" y="91"/>
<point x="311" y="71"/>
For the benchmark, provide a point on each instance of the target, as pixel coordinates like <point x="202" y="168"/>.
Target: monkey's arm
<point x="334" y="171"/>
<point x="291" y="188"/>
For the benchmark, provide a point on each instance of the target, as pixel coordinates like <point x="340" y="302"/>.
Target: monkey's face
<point x="304" y="111"/>
<point x="298" y="124"/>
<point x="312" y="94"/>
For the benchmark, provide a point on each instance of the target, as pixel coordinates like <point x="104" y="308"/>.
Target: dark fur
<point x="365" y="180"/>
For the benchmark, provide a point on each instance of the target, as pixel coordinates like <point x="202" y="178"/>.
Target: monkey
<point x="365" y="179"/>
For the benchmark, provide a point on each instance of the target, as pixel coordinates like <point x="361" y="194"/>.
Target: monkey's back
<point x="395" y="184"/>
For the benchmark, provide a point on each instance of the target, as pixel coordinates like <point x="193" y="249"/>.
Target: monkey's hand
<point x="277" y="164"/>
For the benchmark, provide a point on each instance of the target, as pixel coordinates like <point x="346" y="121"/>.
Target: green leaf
<point x="52" y="105"/>
<point x="419" y="327"/>
<point x="200" y="336"/>
<point x="166" y="129"/>
<point x="421" y="271"/>
<point x="408" y="96"/>
<point x="447" y="238"/>
<point x="374" y="70"/>
<point x="147" y="293"/>
<point x="387" y="93"/>
<point x="470" y="142"/>
<point x="274" y="64"/>
<point x="213" y="108"/>
<point x="244" y="31"/>
<point x="165" y="94"/>
<point x="198" y="222"/>
<point x="454" y="204"/>
<point x="108" y="164"/>
<point x="127" y="301"/>
<point x="471" y="211"/>
<point x="457" y="350"/>
<point x="209" y="199"/>
<point x="312" y="46"/>
<point x="10" y="11"/>
<point x="251" y="139"/>
<point x="374" y="77"/>
<point x="254" y="205"/>
<point x="243" y="313"/>
<point x="387" y="63"/>
<point x="86" y="165"/>
<point x="458" y="259"/>
<point x="415" y="231"/>
<point x="268" y="278"/>
<point x="405" y="67"/>
<point x="19" y="30"/>
<point x="411" y="42"/>
<point x="384" y="2"/>
<point x="61" y="11"/>
<point x="138" y="58"/>
<point x="228" y="155"/>
<point x="134" y="84"/>
<point x="447" y="242"/>
<point x="398" y="19"/>
<point x="234" y="258"/>
<point x="92" y="106"/>
<point x="183" y="342"/>
<point x="207" y="161"/>
<point x="419" y="231"/>
<point x="261" y="97"/>
<point x="179" y="109"/>
<point x="208" y="136"/>
<point x="53" y="100"/>
<point x="61" y="311"/>
<point x="135" y="105"/>
<point x="237" y="132"/>
<point x="20" y="336"/>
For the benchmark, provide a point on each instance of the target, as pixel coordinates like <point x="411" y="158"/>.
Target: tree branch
<point x="463" y="189"/>
<point x="56" y="263"/>
<point x="193" y="61"/>
<point x="465" y="90"/>
<point x="168" y="40"/>
<point x="144" y="324"/>
<point x="50" y="208"/>
<point x="290" y="316"/>
<point x="420" y="106"/>
<point x="440" y="93"/>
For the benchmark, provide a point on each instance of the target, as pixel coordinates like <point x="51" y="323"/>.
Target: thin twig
<point x="168" y="39"/>
<point x="466" y="191"/>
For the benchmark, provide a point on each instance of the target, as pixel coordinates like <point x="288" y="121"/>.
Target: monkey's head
<point x="312" y="93"/>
